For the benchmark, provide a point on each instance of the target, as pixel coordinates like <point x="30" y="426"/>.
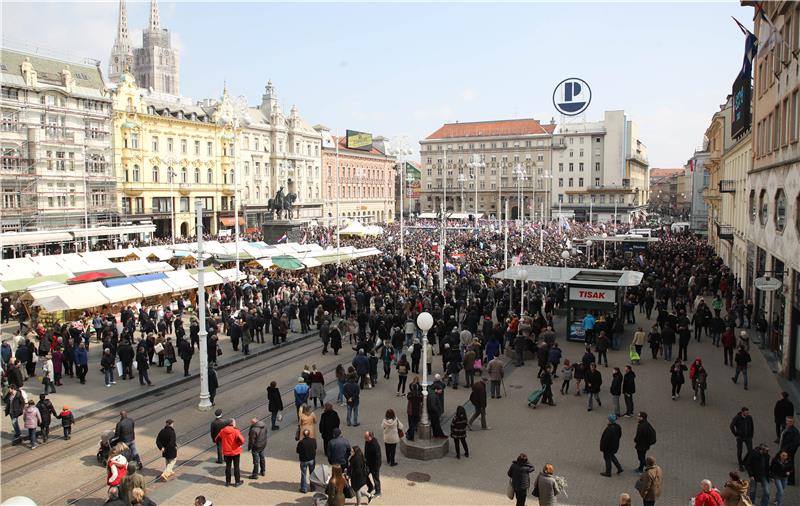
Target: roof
<point x="88" y="79"/>
<point x="498" y="128"/>
<point x="572" y="276"/>
<point x="666" y="172"/>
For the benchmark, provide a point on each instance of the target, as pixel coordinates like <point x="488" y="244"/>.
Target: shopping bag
<point x="119" y="368"/>
<point x="158" y="348"/>
<point x="535" y="396"/>
<point x="634" y="356"/>
<point x="280" y="416"/>
<point x="510" y="490"/>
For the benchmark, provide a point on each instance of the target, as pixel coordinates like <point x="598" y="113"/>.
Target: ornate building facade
<point x="55" y="136"/>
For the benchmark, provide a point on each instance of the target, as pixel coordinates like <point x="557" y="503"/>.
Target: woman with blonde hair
<point x="336" y="485"/>
<point x="545" y="487"/>
<point x="308" y="420"/>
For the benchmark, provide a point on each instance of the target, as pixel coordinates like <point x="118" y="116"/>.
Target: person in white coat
<point x="391" y="435"/>
<point x="48" y="375"/>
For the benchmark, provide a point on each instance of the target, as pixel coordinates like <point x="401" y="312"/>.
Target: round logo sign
<point x="572" y="96"/>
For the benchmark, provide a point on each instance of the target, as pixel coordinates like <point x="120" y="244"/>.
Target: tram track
<point x="16" y="459"/>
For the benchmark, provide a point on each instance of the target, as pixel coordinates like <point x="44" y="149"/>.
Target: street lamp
<point x="524" y="277"/>
<point x="461" y="180"/>
<point x="589" y="251"/>
<point x="425" y="322"/>
<point x="232" y="112"/>
<point x="522" y="176"/>
<point x="605" y="235"/>
<point x="474" y="164"/>
<point x="565" y="256"/>
<point x="400" y="150"/>
<point x="205" y="397"/>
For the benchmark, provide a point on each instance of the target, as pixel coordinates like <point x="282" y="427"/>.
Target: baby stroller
<point x="106" y="442"/>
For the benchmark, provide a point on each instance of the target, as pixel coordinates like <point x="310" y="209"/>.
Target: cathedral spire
<point x="122" y="27"/>
<point x="155" y="23"/>
<point x="122" y="52"/>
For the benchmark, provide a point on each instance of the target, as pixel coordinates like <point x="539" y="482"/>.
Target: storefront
<point x="794" y="336"/>
<point x="584" y="299"/>
<point x="778" y="316"/>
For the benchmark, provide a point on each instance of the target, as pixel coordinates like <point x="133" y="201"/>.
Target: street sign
<point x="572" y="96"/>
<point x="768" y="284"/>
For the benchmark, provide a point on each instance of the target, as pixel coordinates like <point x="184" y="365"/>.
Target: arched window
<point x="247" y="193"/>
<point x="233" y="177"/>
<point x="763" y="203"/>
<point x="210" y="176"/>
<point x="780" y="210"/>
<point x="136" y="175"/>
<point x="184" y="175"/>
<point x="258" y="194"/>
<point x="170" y="175"/>
<point x="197" y="176"/>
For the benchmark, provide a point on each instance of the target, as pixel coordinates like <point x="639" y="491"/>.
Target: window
<point x="597" y="181"/>
<point x="210" y="176"/>
<point x="560" y="198"/>
<point x="785" y="122"/>
<point x="793" y="123"/>
<point x="184" y="175"/>
<point x="155" y="174"/>
<point x="571" y="199"/>
<point x="580" y="152"/>
<point x="571" y="153"/>
<point x="561" y="167"/>
<point x="197" y="148"/>
<point x="570" y="182"/>
<point x="561" y="182"/>
<point x="753" y="205"/>
<point x="136" y="175"/>
<point x="580" y="167"/>
<point x="209" y="149"/>
<point x="580" y="181"/>
<point x="763" y="204"/>
<point x="597" y="166"/>
<point x="184" y="203"/>
<point x="621" y="199"/>
<point x="255" y="146"/>
<point x="197" y="176"/>
<point x="154" y="144"/>
<point x="571" y="140"/>
<point x="183" y="146"/>
<point x="572" y="167"/>
<point x="134" y="141"/>
<point x="169" y="144"/>
<point x="780" y="210"/>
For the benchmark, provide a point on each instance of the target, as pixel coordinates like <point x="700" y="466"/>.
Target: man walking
<point x="478" y="400"/>
<point x="789" y="443"/>
<point x="372" y="454"/>
<point x="783" y="408"/>
<point x="15" y="406"/>
<point x="495" y="371"/>
<point x="256" y="445"/>
<point x="609" y="445"/>
<point x="644" y="439"/>
<point x="125" y="433"/>
<point x="352" y="393"/>
<point x="216" y="425"/>
<point x="649" y="484"/>
<point x="307" y="454"/>
<point x="232" y="441"/>
<point x="593" y="381"/>
<point x="167" y="442"/>
<point x="741" y="360"/>
<point x="742" y="429"/>
<point x="338" y="449"/>
<point x="757" y="465"/>
<point x="628" y="389"/>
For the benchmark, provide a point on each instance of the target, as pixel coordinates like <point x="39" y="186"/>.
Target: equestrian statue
<point x="282" y="203"/>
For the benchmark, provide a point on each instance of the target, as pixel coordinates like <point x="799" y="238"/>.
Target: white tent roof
<point x="230" y="274"/>
<point x="572" y="275"/>
<point x="136" y="267"/>
<point x="69" y="297"/>
<point x="160" y="252"/>
<point x="120" y="293"/>
<point x="154" y="287"/>
<point x="210" y="278"/>
<point x="181" y="280"/>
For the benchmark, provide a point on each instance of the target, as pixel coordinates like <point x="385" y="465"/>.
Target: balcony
<point x="724" y="232"/>
<point x="132" y="189"/>
<point x="556" y="145"/>
<point x="727" y="186"/>
<point x="184" y="189"/>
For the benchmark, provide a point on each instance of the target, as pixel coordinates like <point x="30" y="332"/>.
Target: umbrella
<point x="89" y="276"/>
<point x="320" y="475"/>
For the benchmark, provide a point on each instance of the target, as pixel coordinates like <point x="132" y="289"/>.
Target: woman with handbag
<point x="392" y="432"/>
<point x="358" y="475"/>
<point x="520" y="474"/>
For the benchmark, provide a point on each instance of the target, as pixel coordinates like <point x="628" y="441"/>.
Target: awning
<point x="231" y="222"/>
<point x="571" y="276"/>
<point x="230" y="274"/>
<point x="153" y="288"/>
<point x="20" y="285"/>
<point x="287" y="262"/>
<point x="89" y="276"/>
<point x="310" y="262"/>
<point x="121" y="293"/>
<point x="32" y="238"/>
<point x="210" y="276"/>
<point x="134" y="279"/>
<point x="68" y="297"/>
<point x="137" y="267"/>
<point x="181" y="281"/>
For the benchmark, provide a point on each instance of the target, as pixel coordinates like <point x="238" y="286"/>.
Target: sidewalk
<point x="85" y="400"/>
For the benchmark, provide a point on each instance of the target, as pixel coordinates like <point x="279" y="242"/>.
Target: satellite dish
<point x="768" y="284"/>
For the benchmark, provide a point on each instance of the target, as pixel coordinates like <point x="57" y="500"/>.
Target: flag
<point x="517" y="259"/>
<point x="284" y="238"/>
<point x="750" y="48"/>
<point x="305" y="236"/>
<point x="691" y="165"/>
<point x="768" y="34"/>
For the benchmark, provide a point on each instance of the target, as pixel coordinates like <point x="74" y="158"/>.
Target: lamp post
<point x="461" y="180"/>
<point x="400" y="149"/>
<point x="589" y="251"/>
<point x="205" y="398"/>
<point x="605" y="235"/>
<point x="565" y="256"/>
<point x="232" y="113"/>
<point x="524" y="278"/>
<point x="338" y="193"/>
<point x="475" y="164"/>
<point x="425" y="322"/>
<point x="522" y="176"/>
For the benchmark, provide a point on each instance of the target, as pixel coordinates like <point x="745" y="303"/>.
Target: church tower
<point x="156" y="62"/>
<point x="122" y="52"/>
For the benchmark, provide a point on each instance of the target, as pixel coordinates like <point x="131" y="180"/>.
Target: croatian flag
<point x="284" y="238"/>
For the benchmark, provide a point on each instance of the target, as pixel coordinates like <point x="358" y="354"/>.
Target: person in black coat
<point x="742" y="429"/>
<point x="335" y="339"/>
<point x="783" y="408"/>
<point x="609" y="445"/>
<point x="274" y="403"/>
<point x="628" y="389"/>
<point x="644" y="439"/>
<point x="372" y="452"/>
<point x="46" y="410"/>
<point x="167" y="442"/>
<point x="593" y="380"/>
<point x="328" y="421"/>
<point x="213" y="383"/>
<point x="185" y="351"/>
<point x="756" y="463"/>
<point x="520" y="474"/>
<point x="359" y="475"/>
<point x="14" y="372"/>
<point x="216" y="426"/>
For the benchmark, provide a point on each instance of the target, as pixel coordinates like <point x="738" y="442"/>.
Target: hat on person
<point x="301" y="379"/>
<point x="743" y="333"/>
<point x="218" y="413"/>
<point x="437" y="376"/>
<point x="612" y="418"/>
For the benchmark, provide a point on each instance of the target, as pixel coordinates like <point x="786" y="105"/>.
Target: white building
<point x="600" y="168"/>
<point x="56" y="167"/>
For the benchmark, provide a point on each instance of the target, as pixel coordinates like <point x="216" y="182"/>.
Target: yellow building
<point x="168" y="153"/>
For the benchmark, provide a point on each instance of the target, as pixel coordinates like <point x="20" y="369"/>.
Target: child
<point x="67" y="421"/>
<point x="566" y="374"/>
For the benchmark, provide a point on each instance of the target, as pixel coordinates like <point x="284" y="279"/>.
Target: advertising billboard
<point x="358" y="140"/>
<point x="740" y="120"/>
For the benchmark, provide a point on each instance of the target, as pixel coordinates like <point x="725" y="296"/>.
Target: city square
<point x="561" y="293"/>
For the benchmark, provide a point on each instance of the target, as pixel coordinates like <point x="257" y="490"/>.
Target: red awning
<point x="90" y="276"/>
<point x="231" y="222"/>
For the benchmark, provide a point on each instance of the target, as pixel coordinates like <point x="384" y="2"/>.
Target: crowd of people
<point x="372" y="306"/>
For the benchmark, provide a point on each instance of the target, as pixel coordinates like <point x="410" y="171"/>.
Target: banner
<point x="592" y="294"/>
<point x="358" y="140"/>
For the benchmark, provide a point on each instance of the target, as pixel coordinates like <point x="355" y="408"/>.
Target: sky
<point x="402" y="69"/>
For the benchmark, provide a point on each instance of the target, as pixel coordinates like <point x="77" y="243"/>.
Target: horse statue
<point x="282" y="203"/>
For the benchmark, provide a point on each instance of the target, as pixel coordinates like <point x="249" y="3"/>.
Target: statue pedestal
<point x="273" y="230"/>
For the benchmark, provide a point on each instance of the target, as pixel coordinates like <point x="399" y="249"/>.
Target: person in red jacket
<point x="231" y="440"/>
<point x="728" y="344"/>
<point x="708" y="495"/>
